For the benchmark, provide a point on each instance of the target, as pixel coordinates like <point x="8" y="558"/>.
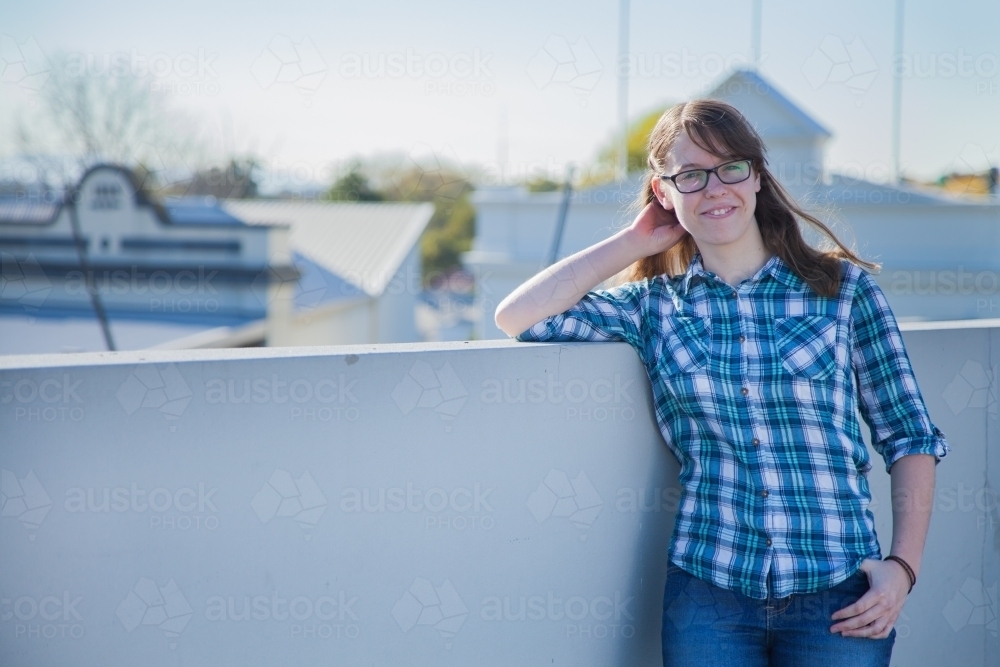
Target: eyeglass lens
<point x="733" y="172"/>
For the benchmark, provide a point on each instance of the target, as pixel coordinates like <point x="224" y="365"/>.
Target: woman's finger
<point x="862" y="604"/>
<point x="859" y="621"/>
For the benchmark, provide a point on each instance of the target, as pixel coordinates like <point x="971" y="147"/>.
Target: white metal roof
<point x="749" y="82"/>
<point x="363" y="243"/>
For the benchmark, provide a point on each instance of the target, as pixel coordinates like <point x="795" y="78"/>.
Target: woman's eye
<point x="690" y="177"/>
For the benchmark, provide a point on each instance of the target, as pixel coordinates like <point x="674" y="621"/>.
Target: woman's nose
<point x="714" y="184"/>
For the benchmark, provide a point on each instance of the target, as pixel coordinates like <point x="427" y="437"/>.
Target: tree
<point x="423" y="178"/>
<point x="637" y="140"/>
<point x="353" y="186"/>
<point x="234" y="181"/>
<point x="449" y="233"/>
<point x="101" y="114"/>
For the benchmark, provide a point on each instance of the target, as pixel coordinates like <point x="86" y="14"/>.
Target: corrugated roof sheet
<point x="21" y="210"/>
<point x="364" y="243"/>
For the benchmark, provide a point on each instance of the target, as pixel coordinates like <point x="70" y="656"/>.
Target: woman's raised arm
<point x="563" y="284"/>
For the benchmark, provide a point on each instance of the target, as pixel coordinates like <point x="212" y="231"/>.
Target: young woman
<point x="761" y="350"/>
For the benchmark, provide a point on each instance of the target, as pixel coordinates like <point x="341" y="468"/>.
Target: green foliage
<point x="543" y="185"/>
<point x="448" y="235"/>
<point x="637" y="140"/>
<point x="353" y="186"/>
<point x="452" y="226"/>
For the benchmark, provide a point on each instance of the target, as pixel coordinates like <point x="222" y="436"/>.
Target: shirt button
<point x="756" y="441"/>
<point x="742" y="339"/>
<point x="765" y="493"/>
<point x="768" y="542"/>
<point x="744" y="391"/>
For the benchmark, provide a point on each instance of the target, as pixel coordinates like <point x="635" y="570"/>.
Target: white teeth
<point x="719" y="211"/>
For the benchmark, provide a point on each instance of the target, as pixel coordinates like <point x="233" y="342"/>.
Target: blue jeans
<point x="708" y="626"/>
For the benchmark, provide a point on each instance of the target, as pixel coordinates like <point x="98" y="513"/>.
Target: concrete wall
<point x="395" y="504"/>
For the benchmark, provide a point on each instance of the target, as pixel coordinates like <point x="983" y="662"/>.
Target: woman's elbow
<point x="505" y="321"/>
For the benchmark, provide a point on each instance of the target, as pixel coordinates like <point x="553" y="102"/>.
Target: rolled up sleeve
<point x="616" y="314"/>
<point x="889" y="399"/>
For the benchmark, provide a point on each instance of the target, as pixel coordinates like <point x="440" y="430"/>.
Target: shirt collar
<point x="775" y="267"/>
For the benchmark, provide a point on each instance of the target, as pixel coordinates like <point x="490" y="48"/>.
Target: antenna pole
<point x="897" y="93"/>
<point x="755" y="37"/>
<point x="624" y="65"/>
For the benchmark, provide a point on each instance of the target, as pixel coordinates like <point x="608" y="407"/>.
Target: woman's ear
<point x="661" y="196"/>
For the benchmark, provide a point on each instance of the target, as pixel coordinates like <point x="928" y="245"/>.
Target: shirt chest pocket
<point x="807" y="345"/>
<point x="685" y="348"/>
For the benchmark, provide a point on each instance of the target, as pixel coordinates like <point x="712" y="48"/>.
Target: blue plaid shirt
<point x="756" y="391"/>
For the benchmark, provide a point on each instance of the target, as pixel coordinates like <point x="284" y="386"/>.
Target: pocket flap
<point x="686" y="349"/>
<point x="807" y="345"/>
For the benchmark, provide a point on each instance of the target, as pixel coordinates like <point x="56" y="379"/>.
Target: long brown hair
<point x="720" y="129"/>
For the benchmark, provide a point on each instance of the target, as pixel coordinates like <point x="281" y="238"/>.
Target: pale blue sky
<point x="951" y="110"/>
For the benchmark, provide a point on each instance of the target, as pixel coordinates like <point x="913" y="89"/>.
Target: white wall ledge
<point x="250" y="429"/>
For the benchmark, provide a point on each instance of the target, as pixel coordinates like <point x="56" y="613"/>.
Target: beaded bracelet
<point x="906" y="566"/>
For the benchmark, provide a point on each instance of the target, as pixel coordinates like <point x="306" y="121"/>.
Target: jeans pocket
<point x="851" y="589"/>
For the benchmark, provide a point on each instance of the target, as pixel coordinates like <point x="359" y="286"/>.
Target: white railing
<point x="466" y="503"/>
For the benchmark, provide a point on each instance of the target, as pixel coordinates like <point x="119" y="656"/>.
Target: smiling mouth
<point x="720" y="212"/>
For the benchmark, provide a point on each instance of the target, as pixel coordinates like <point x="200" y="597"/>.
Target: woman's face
<point x="718" y="215"/>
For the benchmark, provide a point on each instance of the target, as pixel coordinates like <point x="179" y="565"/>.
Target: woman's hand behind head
<point x="657" y="228"/>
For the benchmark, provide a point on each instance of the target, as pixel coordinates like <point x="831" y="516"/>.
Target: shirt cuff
<point x="934" y="444"/>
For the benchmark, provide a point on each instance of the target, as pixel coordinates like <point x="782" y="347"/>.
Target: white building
<point x="359" y="266"/>
<point x="162" y="271"/>
<point x="940" y="255"/>
<point x="193" y="272"/>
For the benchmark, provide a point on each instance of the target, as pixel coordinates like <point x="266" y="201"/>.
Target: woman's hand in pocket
<point x="875" y="612"/>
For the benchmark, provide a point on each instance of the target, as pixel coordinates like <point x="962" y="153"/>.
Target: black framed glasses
<point x="694" y="180"/>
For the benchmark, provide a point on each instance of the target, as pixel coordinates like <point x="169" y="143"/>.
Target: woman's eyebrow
<point x="699" y="166"/>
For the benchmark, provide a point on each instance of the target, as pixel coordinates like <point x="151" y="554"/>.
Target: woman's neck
<point x="735" y="262"/>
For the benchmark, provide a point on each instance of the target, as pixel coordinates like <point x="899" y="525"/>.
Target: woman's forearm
<point x="562" y="285"/>
<point x="912" y="502"/>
